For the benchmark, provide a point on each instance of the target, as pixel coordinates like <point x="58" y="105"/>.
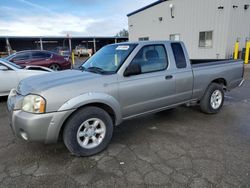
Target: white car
<point x="11" y="74"/>
<point x="82" y="50"/>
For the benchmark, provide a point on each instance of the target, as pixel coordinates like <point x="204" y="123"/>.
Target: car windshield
<point x="10" y="56"/>
<point x="10" y="63"/>
<point x="108" y="59"/>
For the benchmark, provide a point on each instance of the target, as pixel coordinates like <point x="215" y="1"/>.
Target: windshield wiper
<point x="94" y="69"/>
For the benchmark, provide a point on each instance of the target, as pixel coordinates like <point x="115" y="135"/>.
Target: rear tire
<point x="55" y="67"/>
<point x="213" y="99"/>
<point x="88" y="131"/>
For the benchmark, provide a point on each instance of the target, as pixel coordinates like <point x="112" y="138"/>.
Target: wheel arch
<point x="55" y="63"/>
<point x="101" y="105"/>
<point x="97" y="99"/>
<point x="221" y="81"/>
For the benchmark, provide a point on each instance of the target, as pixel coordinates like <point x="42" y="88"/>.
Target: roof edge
<point x="62" y="37"/>
<point x="146" y="7"/>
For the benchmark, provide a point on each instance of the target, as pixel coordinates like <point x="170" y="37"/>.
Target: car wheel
<point x="55" y="67"/>
<point x="213" y="99"/>
<point x="88" y="131"/>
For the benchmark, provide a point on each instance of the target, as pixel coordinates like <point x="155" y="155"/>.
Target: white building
<point x="209" y="28"/>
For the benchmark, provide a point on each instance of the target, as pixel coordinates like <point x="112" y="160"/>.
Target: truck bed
<point x="210" y="62"/>
<point x="206" y="71"/>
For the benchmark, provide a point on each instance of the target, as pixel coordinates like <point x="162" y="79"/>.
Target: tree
<point x="122" y="33"/>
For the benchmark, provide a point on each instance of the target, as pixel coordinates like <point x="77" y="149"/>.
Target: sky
<point x="62" y="17"/>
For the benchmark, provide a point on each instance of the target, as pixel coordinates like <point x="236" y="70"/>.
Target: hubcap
<point x="216" y="99"/>
<point x="54" y="67"/>
<point x="91" y="133"/>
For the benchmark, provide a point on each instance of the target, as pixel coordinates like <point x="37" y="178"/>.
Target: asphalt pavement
<point x="176" y="148"/>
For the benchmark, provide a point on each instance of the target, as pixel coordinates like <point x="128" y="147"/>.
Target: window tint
<point x="40" y="55"/>
<point x="151" y="58"/>
<point x="179" y="56"/>
<point x="21" y="56"/>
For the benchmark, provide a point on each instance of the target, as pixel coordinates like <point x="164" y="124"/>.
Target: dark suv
<point x="41" y="58"/>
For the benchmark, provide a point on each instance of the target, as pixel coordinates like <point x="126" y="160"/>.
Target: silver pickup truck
<point x="121" y="81"/>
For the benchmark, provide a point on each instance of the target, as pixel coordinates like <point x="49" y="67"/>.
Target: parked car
<point x="11" y="74"/>
<point x="120" y="82"/>
<point x="63" y="51"/>
<point x="82" y="51"/>
<point x="41" y="58"/>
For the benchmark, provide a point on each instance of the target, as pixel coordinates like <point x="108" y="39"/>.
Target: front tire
<point x="88" y="131"/>
<point x="213" y="99"/>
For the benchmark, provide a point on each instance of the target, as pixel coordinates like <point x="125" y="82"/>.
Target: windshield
<point x="10" y="63"/>
<point x="109" y="58"/>
<point x="10" y="56"/>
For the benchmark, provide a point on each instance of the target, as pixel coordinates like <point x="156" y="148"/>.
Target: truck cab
<point x="165" y="78"/>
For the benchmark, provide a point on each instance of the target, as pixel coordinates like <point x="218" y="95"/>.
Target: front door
<point x="154" y="88"/>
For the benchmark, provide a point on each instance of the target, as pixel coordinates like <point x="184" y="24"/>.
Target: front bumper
<point x="36" y="127"/>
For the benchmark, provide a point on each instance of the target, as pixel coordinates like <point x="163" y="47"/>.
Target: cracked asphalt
<point x="176" y="148"/>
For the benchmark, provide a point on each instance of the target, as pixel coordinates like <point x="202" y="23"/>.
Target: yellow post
<point x="247" y="51"/>
<point x="236" y="50"/>
<point x="73" y="58"/>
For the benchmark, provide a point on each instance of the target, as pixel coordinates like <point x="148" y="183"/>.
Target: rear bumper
<point x="66" y="65"/>
<point x="241" y="83"/>
<point x="236" y="83"/>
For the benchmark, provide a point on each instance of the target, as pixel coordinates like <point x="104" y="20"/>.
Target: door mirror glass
<point x="133" y="69"/>
<point x="3" y="68"/>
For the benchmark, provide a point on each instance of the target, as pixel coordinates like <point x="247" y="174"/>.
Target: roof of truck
<point x="146" y="42"/>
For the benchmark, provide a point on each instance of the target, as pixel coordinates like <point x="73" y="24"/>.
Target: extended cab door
<point x="183" y="72"/>
<point x="154" y="88"/>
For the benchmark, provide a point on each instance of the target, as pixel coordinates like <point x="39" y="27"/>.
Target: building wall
<point x="239" y="26"/>
<point x="190" y="17"/>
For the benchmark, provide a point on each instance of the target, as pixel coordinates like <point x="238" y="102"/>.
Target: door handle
<point x="168" y="77"/>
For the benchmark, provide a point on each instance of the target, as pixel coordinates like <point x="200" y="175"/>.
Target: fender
<point x="94" y="97"/>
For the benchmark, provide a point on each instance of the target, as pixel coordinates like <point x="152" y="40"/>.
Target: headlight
<point x="33" y="104"/>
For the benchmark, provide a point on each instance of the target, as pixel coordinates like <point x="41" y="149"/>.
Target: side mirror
<point x="3" y="68"/>
<point x="133" y="69"/>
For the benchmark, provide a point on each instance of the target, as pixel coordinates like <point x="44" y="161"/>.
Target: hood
<point x="40" y="83"/>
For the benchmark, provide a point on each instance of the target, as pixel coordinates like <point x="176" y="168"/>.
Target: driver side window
<point x="151" y="58"/>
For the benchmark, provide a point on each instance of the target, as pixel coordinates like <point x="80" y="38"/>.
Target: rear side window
<point x="179" y="56"/>
<point x="40" y="55"/>
<point x="151" y="58"/>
